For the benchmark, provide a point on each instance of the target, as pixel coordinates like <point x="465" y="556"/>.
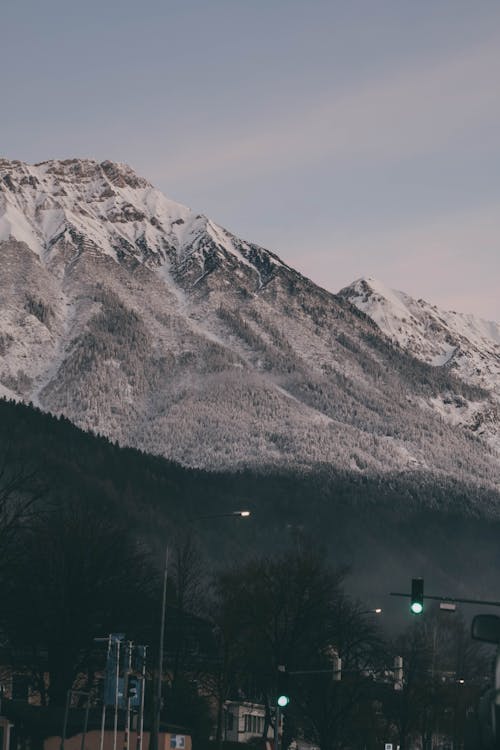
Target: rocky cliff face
<point x="144" y="321"/>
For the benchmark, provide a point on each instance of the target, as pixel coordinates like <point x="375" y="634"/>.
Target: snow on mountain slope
<point x="141" y="320"/>
<point x="107" y="204"/>
<point x="464" y="344"/>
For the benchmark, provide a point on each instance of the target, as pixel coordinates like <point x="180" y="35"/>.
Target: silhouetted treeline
<point x="386" y="528"/>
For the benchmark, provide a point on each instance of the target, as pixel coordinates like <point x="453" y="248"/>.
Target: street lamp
<point x="232" y="514"/>
<point x="157" y="700"/>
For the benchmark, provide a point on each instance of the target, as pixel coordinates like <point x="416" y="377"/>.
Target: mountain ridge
<point x="465" y="344"/>
<point x="139" y="319"/>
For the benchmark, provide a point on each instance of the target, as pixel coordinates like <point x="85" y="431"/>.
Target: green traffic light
<point x="283" y="700"/>
<point x="417" y="596"/>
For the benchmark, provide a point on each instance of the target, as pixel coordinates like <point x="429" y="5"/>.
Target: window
<point x="254" y="724"/>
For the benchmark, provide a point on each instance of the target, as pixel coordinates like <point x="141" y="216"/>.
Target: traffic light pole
<point x="277" y="719"/>
<point x="451" y="599"/>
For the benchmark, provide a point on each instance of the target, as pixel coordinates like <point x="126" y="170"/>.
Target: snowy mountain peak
<point x="469" y="345"/>
<point x="142" y="320"/>
<point x="104" y="204"/>
<point x="85" y="206"/>
<point x="66" y="171"/>
<point x="393" y="311"/>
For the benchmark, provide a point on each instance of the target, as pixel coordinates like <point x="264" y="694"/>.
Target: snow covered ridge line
<point x="437" y="335"/>
<point x="462" y="343"/>
<point x="142" y="320"/>
<point x="106" y="203"/>
<point x="69" y="170"/>
<point x="107" y="208"/>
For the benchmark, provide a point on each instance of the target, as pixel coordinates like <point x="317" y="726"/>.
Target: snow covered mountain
<point x="465" y="345"/>
<point x="144" y="321"/>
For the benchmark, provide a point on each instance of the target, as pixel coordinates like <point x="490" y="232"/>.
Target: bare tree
<point x="20" y="490"/>
<point x="443" y="677"/>
<point x="292" y="611"/>
<point x="80" y="575"/>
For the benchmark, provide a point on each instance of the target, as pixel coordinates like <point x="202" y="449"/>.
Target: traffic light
<point x="132" y="686"/>
<point x="417" y="596"/>
<point x="282" y="692"/>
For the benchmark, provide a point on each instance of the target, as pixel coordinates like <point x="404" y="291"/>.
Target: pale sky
<point x="352" y="138"/>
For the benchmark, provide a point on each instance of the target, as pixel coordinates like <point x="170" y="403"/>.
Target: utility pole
<point x="117" y="683"/>
<point x="127" y="672"/>
<point x="103" y="714"/>
<point x="155" y="735"/>
<point x="141" y="658"/>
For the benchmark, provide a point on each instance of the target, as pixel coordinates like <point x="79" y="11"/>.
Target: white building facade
<point x="244" y="720"/>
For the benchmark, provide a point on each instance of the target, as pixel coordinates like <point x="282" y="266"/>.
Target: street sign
<point x="178" y="741"/>
<point x="111" y="684"/>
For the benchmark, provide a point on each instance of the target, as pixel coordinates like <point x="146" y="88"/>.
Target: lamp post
<point x="155" y="735"/>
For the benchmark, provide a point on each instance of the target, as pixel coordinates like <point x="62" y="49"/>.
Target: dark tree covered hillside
<point x="384" y="528"/>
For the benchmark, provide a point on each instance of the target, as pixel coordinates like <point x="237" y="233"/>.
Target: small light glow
<point x="378" y="610"/>
<point x="283" y="700"/>
<point x="244" y="513"/>
<point x="416" y="608"/>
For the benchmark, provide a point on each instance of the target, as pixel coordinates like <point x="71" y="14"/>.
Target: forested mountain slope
<point x="386" y="528"/>
<point x="139" y="319"/>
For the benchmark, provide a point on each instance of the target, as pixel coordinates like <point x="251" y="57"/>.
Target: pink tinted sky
<point x="352" y="138"/>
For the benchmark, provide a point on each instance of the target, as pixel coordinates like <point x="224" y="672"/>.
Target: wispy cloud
<point x="403" y="114"/>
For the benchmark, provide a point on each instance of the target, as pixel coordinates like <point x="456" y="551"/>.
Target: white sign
<point x="388" y="746"/>
<point x="179" y="741"/>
